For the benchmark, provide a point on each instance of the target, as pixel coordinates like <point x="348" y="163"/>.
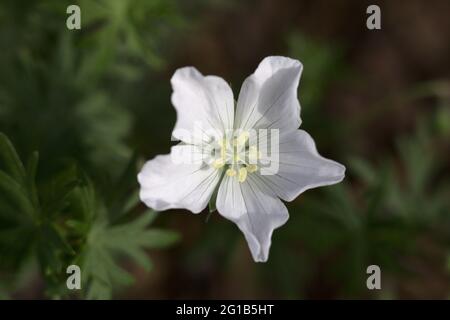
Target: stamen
<point x="236" y="153"/>
<point x="231" y="172"/>
<point x="223" y="148"/>
<point x="218" y="163"/>
<point x="242" y="174"/>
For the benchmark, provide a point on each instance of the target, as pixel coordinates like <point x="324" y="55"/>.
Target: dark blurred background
<point x="377" y="101"/>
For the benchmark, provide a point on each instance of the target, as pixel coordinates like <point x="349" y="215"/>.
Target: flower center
<point x="236" y="156"/>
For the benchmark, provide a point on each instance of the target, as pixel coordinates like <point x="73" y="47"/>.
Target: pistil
<point x="238" y="159"/>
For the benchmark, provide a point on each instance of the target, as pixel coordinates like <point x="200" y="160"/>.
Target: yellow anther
<point x="223" y="148"/>
<point x="252" y="168"/>
<point x="242" y="174"/>
<point x="231" y="172"/>
<point x="218" y="163"/>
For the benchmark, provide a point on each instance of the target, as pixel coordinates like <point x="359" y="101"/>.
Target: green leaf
<point x="362" y="169"/>
<point x="10" y="161"/>
<point x="58" y="190"/>
<point x="135" y="234"/>
<point x="99" y="290"/>
<point x="156" y="238"/>
<point x="32" y="165"/>
<point x="60" y="199"/>
<point x="132" y="201"/>
<point x="106" y="243"/>
<point x="119" y="198"/>
<point x="13" y="193"/>
<point x="31" y="177"/>
<point x="51" y="247"/>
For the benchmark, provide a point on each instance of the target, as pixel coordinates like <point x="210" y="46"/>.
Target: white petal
<point x="268" y="98"/>
<point x="166" y="184"/>
<point x="255" y="209"/>
<point x="200" y="101"/>
<point x="300" y="167"/>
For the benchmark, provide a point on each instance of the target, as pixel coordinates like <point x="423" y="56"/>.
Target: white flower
<point x="222" y="155"/>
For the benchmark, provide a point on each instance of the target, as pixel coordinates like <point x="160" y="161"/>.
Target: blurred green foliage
<point x="88" y="100"/>
<point x="58" y="95"/>
<point x="381" y="214"/>
<point x="58" y="87"/>
<point x="66" y="222"/>
<point x="382" y="221"/>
